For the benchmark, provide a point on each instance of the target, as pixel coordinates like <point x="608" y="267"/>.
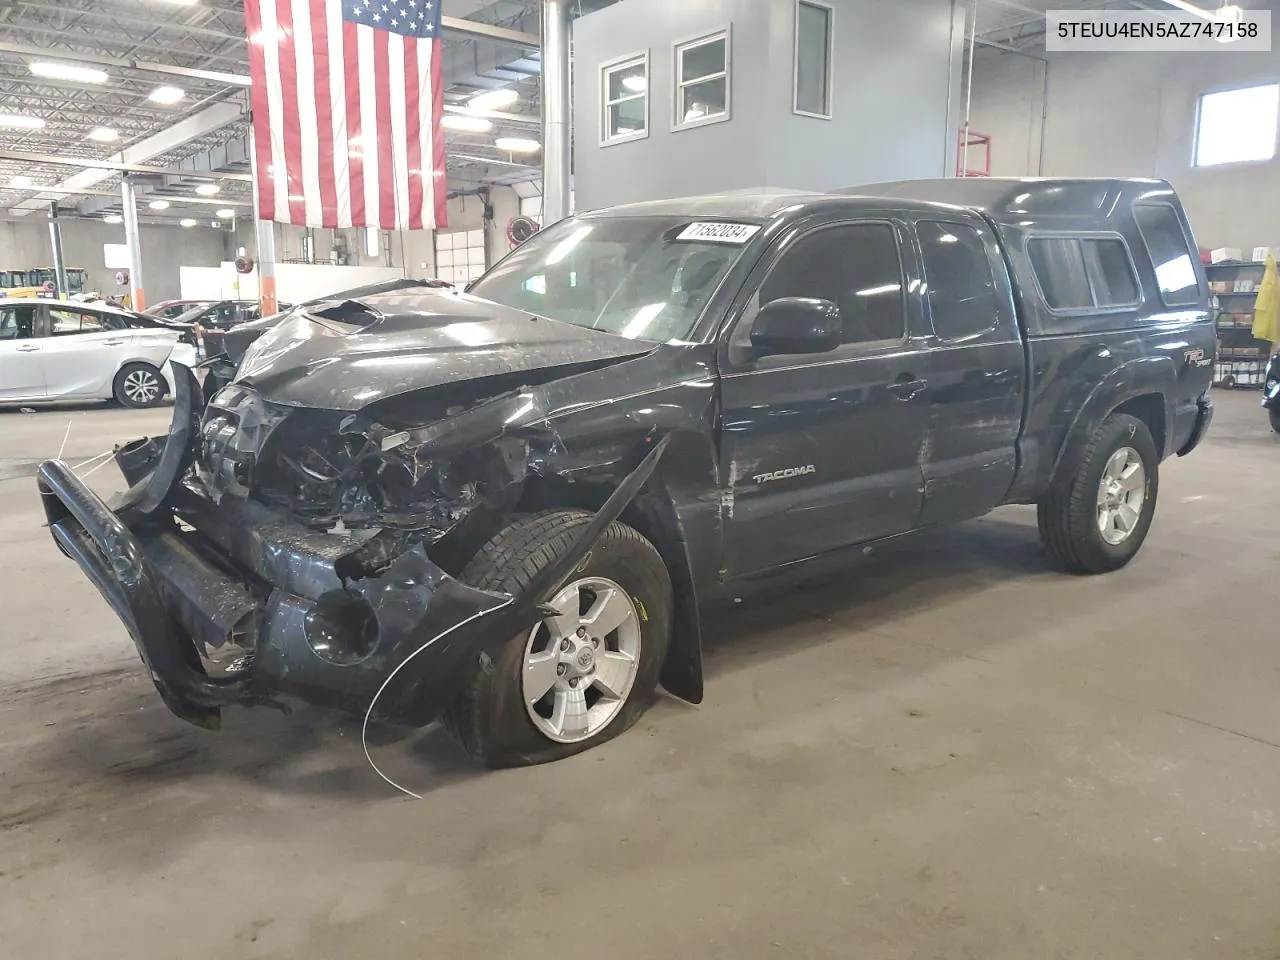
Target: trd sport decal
<point x="786" y="474"/>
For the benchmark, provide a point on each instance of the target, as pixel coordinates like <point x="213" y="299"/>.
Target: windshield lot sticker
<point x="719" y="232"/>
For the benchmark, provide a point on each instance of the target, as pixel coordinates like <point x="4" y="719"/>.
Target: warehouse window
<point x="962" y="291"/>
<point x="1084" y="274"/>
<point x="702" y="81"/>
<point x="1170" y="253"/>
<point x="459" y="256"/>
<point x="1237" y="126"/>
<point x="624" y="91"/>
<point x="813" y="59"/>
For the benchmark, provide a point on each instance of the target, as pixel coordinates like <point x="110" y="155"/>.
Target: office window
<point x="459" y="256"/>
<point x="813" y="59"/>
<point x="702" y="80"/>
<point x="1170" y="255"/>
<point x="624" y="92"/>
<point x="857" y="268"/>
<point x="1236" y="126"/>
<point x="962" y="291"/>
<point x="1084" y="275"/>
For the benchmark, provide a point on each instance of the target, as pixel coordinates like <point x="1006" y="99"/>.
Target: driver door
<point x="21" y="364"/>
<point x="822" y="451"/>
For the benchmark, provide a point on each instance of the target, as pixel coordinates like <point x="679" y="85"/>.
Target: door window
<point x="856" y="267"/>
<point x="962" y="291"/>
<point x="17" y="323"/>
<point x="64" y="323"/>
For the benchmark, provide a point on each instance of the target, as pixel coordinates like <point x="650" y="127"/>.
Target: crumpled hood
<point x="345" y="355"/>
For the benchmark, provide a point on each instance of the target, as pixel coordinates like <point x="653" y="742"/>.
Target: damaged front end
<point x="301" y="543"/>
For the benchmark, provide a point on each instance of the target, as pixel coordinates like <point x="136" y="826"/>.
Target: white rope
<point x="364" y="727"/>
<point x="85" y="463"/>
<point x="65" y="437"/>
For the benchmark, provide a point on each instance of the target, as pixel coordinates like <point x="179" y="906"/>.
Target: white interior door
<point x="21" y="365"/>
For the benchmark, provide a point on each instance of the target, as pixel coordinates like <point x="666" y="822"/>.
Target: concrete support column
<point x="264" y="241"/>
<point x="555" y="111"/>
<point x="137" y="299"/>
<point x="59" y="263"/>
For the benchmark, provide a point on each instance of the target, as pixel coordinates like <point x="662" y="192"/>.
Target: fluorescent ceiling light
<point x="207" y="189"/>
<point x="22" y="183"/>
<point x="517" y="145"/>
<point x="159" y="204"/>
<point x="494" y="99"/>
<point x="166" y="95"/>
<point x="20" y="121"/>
<point x="113" y="218"/>
<point x="103" y="134"/>
<point x="636" y="84"/>
<point x="459" y="121"/>
<point x="226" y="213"/>
<point x="187" y="222"/>
<point x="181" y="3"/>
<point x="52" y="70"/>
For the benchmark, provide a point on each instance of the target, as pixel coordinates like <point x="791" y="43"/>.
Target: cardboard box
<point x="1260" y="253"/>
<point x="1220" y="286"/>
<point x="1223" y="254"/>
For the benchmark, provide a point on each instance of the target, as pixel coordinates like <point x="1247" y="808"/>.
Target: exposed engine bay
<point x="345" y="473"/>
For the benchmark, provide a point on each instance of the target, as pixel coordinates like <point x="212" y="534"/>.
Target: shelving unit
<point x="1242" y="359"/>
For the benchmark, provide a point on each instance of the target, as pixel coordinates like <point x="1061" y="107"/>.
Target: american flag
<point x="347" y="98"/>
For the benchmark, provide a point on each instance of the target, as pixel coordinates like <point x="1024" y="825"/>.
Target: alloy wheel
<point x="1122" y="491"/>
<point x="142" y="387"/>
<point x="579" y="667"/>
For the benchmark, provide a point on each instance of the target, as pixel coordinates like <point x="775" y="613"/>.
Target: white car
<point x="54" y="350"/>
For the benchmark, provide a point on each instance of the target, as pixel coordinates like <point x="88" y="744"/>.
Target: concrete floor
<point x="946" y="751"/>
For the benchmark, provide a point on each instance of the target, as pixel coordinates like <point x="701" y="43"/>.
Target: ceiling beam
<point x="193" y="127"/>
<point x="149" y="66"/>
<point x="487" y="31"/>
<point x="152" y="22"/>
<point x="495" y="115"/>
<point x="91" y="164"/>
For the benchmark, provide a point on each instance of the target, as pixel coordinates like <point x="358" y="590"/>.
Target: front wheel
<point x="1097" y="519"/>
<point x="579" y="678"/>
<point x="138" y="385"/>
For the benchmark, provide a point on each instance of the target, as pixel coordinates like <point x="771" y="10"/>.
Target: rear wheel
<point x="1274" y="414"/>
<point x="139" y="385"/>
<point x="579" y="678"/>
<point x="1097" y="520"/>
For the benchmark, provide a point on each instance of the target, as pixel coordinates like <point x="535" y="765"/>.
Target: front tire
<point x="139" y="385"/>
<point x="1274" y="414"/>
<point x="577" y="680"/>
<point x="1097" y="520"/>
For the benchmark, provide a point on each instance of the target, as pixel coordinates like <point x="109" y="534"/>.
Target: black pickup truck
<point x="508" y="508"/>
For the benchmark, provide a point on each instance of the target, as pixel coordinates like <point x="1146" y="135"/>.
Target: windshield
<point x="632" y="276"/>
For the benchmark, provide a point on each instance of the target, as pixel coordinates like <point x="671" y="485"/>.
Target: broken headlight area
<point x="335" y="473"/>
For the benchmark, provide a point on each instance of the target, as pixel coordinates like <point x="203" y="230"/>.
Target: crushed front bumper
<point x="326" y="618"/>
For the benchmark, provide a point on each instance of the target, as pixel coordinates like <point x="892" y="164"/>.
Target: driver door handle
<point x="908" y="387"/>
<point x="28" y="348"/>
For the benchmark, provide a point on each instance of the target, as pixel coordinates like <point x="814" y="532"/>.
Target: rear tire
<point x="499" y="717"/>
<point x="1097" y="519"/>
<point x="1274" y="414"/>
<point x="139" y="385"/>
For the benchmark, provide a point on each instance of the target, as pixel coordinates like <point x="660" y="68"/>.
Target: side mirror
<point x="797" y="325"/>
